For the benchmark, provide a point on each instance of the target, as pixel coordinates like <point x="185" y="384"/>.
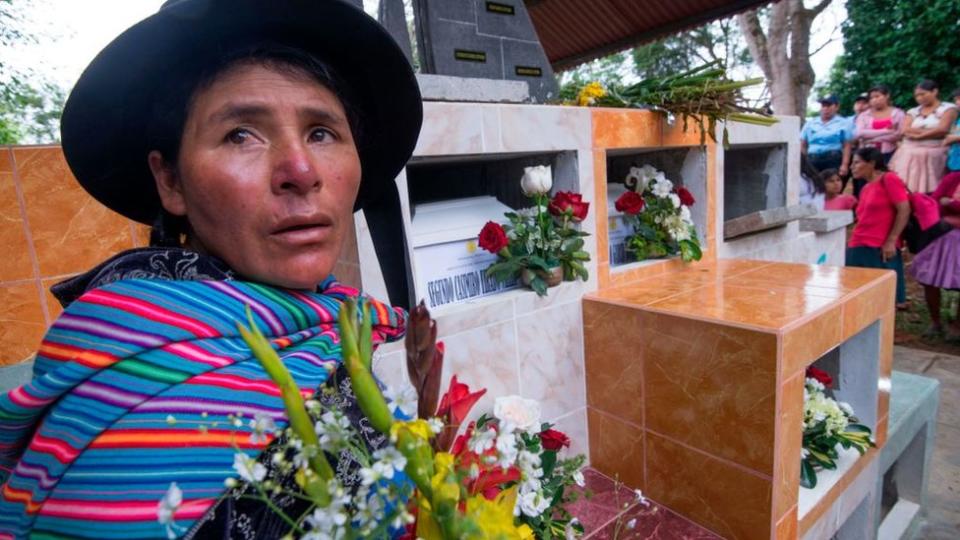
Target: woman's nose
<point x="293" y="170"/>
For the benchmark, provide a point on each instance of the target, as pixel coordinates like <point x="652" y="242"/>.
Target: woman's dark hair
<point x="882" y="88"/>
<point x="808" y="171"/>
<point x="827" y="174"/>
<point x="169" y="114"/>
<point x="928" y="84"/>
<point x="872" y="155"/>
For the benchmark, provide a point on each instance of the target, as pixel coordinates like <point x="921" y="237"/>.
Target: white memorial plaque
<point x="449" y="264"/>
<point x="617" y="227"/>
<point x="455" y="271"/>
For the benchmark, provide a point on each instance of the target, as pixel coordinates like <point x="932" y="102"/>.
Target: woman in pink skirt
<point x="921" y="159"/>
<point x="937" y="266"/>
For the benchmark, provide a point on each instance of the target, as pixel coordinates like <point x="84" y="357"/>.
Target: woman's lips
<point x="301" y="230"/>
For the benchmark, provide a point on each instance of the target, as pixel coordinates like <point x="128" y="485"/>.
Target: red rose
<point x="820" y="375"/>
<point x="493" y="238"/>
<point x="568" y="199"/>
<point x="552" y="439"/>
<point x="686" y="198"/>
<point x="630" y="203"/>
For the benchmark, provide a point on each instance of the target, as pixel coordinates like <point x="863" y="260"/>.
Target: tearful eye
<point x="238" y="136"/>
<point x="321" y="135"/>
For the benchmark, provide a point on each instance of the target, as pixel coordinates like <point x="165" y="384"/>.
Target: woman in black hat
<point x="246" y="133"/>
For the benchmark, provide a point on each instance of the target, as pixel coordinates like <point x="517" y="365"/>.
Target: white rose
<point x="637" y="179"/>
<point x="517" y="413"/>
<point x="536" y="180"/>
<point x="531" y="504"/>
<point x="685" y="214"/>
<point x="674" y="199"/>
<point x="662" y="187"/>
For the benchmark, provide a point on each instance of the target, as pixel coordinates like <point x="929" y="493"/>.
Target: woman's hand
<point x="889" y="250"/>
<point x="945" y="201"/>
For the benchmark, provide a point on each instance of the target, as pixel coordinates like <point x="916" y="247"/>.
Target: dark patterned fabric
<point x="145" y="263"/>
<point x="238" y="515"/>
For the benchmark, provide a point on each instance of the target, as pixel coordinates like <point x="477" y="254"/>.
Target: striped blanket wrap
<point x="123" y="382"/>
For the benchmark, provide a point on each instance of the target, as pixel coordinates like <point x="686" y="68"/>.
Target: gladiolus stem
<point x="371" y="401"/>
<point x="293" y="402"/>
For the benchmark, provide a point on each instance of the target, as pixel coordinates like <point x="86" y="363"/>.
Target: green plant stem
<point x="293" y="402"/>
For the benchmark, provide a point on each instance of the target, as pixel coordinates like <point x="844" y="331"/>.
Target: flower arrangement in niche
<point x="541" y="245"/>
<point x="659" y="213"/>
<point x="500" y="478"/>
<point x="827" y="424"/>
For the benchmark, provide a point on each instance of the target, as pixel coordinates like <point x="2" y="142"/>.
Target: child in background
<point x="833" y="185"/>
<point x="952" y="140"/>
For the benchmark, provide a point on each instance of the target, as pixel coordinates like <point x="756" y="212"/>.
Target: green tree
<point x="30" y="106"/>
<point x="719" y="40"/>
<point x="897" y="43"/>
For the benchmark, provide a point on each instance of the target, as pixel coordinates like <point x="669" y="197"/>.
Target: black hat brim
<point x="104" y="122"/>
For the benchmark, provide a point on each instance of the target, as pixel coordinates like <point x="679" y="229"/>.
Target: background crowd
<point x="900" y="174"/>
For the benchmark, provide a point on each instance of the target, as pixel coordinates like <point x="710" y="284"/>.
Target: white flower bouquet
<point x="500" y="478"/>
<point x="827" y="423"/>
<point x="659" y="213"/>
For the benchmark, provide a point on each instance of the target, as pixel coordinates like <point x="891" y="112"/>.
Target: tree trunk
<point x="783" y="52"/>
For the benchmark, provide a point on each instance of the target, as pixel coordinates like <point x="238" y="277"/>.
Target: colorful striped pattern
<point x="86" y="449"/>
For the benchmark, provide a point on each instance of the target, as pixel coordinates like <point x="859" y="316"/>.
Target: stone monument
<point x="482" y="39"/>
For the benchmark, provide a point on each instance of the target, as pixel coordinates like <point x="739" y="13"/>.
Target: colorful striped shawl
<point x="88" y="448"/>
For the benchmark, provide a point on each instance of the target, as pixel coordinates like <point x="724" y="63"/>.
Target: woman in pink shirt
<point x="879" y="125"/>
<point x="937" y="266"/>
<point x="833" y="186"/>
<point x="882" y="213"/>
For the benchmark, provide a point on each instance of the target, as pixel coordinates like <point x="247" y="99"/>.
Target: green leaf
<point x="539" y="286"/>
<point x="808" y="475"/>
<point x="690" y="251"/>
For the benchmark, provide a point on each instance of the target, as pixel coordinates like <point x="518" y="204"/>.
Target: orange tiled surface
<point x="705" y="364"/>
<point x="617" y="129"/>
<point x="51" y="230"/>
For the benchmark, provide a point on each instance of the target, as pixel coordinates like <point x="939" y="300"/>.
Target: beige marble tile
<point x="551" y="359"/>
<point x="491" y="128"/>
<point x="450" y="128"/>
<point x="475" y="313"/>
<point x="524" y="128"/>
<point x="484" y="357"/>
<point x="574" y="425"/>
<point x="566" y="292"/>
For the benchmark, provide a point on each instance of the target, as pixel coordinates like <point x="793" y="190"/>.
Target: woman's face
<point x="925" y="97"/>
<point x="879" y="100"/>
<point x="267" y="175"/>
<point x="833" y="185"/>
<point x="861" y="169"/>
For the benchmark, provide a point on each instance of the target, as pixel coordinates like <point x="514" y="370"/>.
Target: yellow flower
<point x="444" y="482"/>
<point x="588" y="94"/>
<point x="418" y="427"/>
<point x="495" y="518"/>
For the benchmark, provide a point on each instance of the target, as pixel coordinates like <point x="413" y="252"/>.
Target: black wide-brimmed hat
<point x="104" y="123"/>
